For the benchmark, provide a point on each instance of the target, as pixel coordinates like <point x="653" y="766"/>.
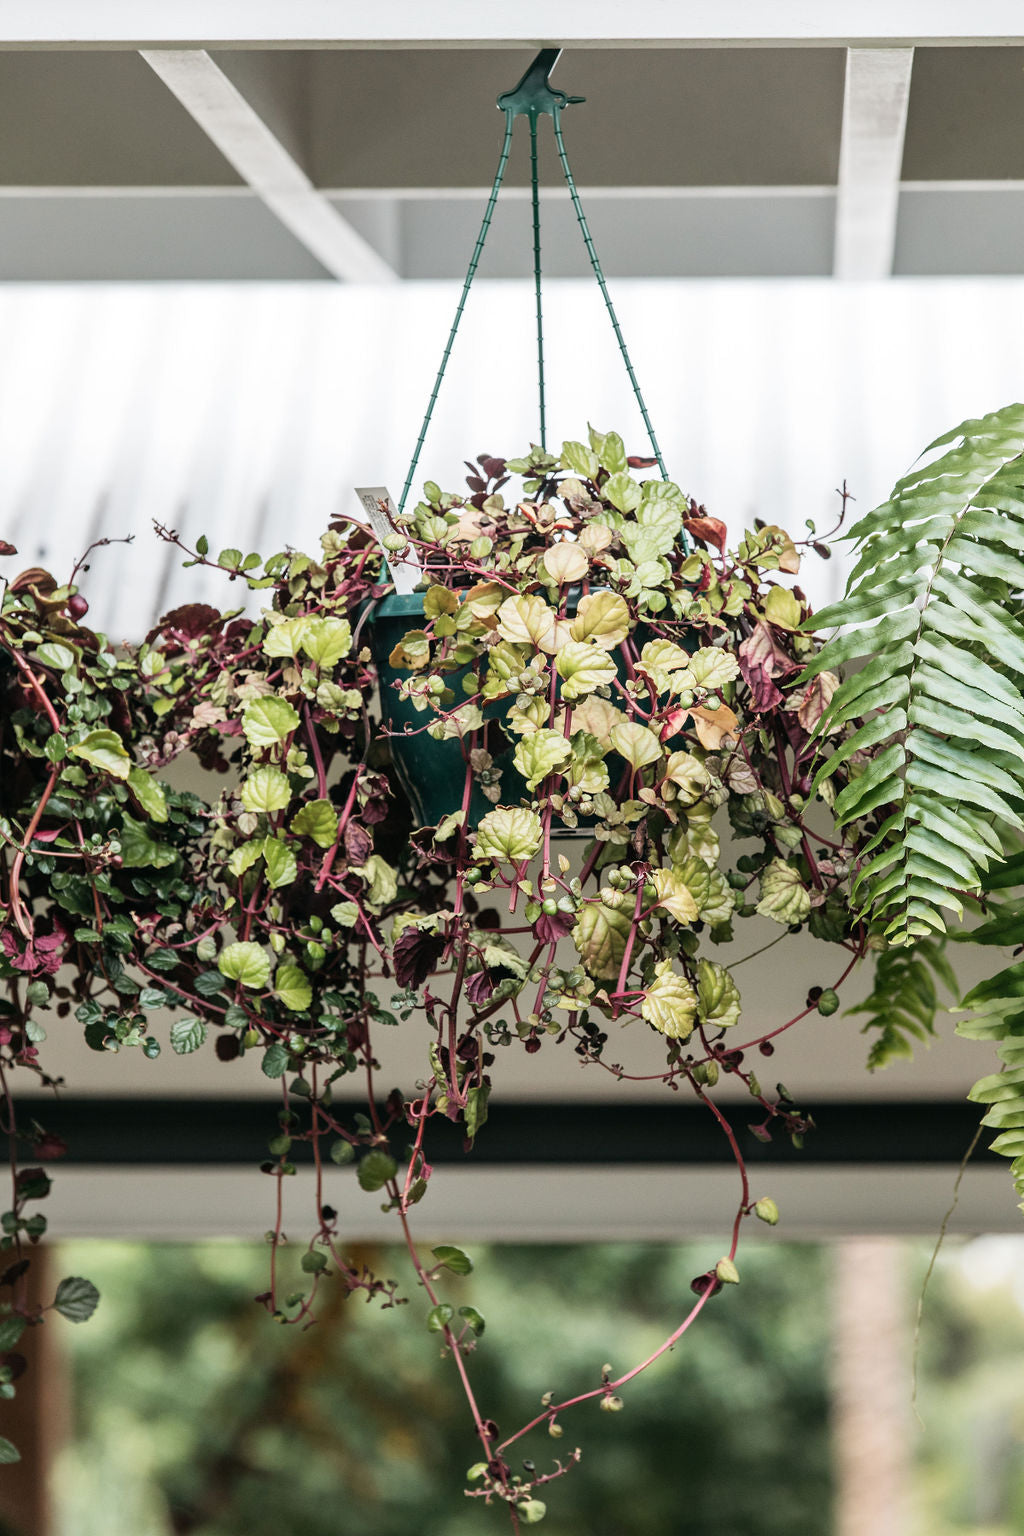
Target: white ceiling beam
<point x="870" y="160"/>
<point x="529" y="23"/>
<point x="262" y="161"/>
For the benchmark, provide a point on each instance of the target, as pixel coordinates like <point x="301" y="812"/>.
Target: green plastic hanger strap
<point x="533" y="97"/>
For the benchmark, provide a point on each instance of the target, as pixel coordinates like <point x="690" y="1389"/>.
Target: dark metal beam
<point x="190" y="1132"/>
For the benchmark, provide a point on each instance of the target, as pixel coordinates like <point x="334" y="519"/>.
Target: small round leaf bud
<point x="612" y="1404"/>
<point x="828" y="1002"/>
<point x="766" y="1210"/>
<point x="727" y="1272"/>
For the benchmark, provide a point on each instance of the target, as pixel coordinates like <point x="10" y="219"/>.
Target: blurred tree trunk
<point x="871" y="1388"/>
<point x="36" y="1419"/>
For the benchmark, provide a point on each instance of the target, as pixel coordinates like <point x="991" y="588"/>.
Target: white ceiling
<point x="305" y="139"/>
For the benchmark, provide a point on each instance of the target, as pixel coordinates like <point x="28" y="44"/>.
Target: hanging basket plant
<point x="582" y="658"/>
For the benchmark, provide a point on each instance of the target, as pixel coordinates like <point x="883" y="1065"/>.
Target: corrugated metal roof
<point x="248" y="412"/>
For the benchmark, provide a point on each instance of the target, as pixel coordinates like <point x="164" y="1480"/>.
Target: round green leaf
<point x="602" y="617"/>
<point x="76" y="1299"/>
<point x="266" y="789"/>
<point x="584" y="667"/>
<point x="148" y="793"/>
<point x="245" y="962"/>
<point x="318" y="820"/>
<point x="187" y="1035"/>
<point x="717" y="995"/>
<point x="375" y="1169"/>
<point x="103" y="749"/>
<point x="440" y="1316"/>
<point x="267" y="721"/>
<point x="454" y="1259"/>
<point x="540" y="753"/>
<point x="670" y="1003"/>
<point x="327" y="640"/>
<point x="280" y="860"/>
<point x="784" y="897"/>
<point x="636" y="744"/>
<point x="292" y="986"/>
<point x="509" y="834"/>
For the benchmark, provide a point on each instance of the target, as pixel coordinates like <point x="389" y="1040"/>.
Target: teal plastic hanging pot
<point x="433" y="773"/>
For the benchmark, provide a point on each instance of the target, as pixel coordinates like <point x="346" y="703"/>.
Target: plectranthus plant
<point x="525" y="807"/>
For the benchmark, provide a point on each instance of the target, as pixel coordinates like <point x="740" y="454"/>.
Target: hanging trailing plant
<point x="594" y="664"/>
<point x="635" y="732"/>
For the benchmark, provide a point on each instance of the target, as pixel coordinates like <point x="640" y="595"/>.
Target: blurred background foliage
<point x="194" y="1415"/>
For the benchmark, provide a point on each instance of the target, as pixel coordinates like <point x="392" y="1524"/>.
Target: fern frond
<point x="996" y="1014"/>
<point x="904" y="1000"/>
<point x="938" y="707"/>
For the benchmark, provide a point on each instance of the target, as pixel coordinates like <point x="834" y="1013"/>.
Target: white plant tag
<point x="406" y="570"/>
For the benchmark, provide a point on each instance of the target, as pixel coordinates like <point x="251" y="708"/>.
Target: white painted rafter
<point x="875" y="103"/>
<point x="245" y="141"/>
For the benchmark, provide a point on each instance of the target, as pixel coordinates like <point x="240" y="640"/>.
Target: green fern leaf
<point x="930" y="734"/>
<point x="904" y="1000"/>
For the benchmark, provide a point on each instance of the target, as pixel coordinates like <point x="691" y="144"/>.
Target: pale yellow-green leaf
<point x="438" y="600"/>
<point x="784" y="897"/>
<point x="345" y="914"/>
<point x="718" y="997"/>
<point x="284" y="639"/>
<point x="782" y="609"/>
<point x="638" y="745"/>
<point x="527" y="619"/>
<point x="581" y="460"/>
<point x="602" y="617"/>
<point x="381" y="881"/>
<point x="245" y="855"/>
<point x="318" y="820"/>
<point x="689" y="776"/>
<point x="280" y="861"/>
<point x="268" y="721"/>
<point x="245" y="962"/>
<point x="668" y="666"/>
<point x="600" y="936"/>
<point x="713" y="667"/>
<point x="327" y="640"/>
<point x="508" y="835"/>
<point x="622" y="491"/>
<point x="598" y="717"/>
<point x="584" y="667"/>
<point x="674" y="895"/>
<point x="670" y="1003"/>
<point x="266" y="789"/>
<point x="540" y="753"/>
<point x="566" y="563"/>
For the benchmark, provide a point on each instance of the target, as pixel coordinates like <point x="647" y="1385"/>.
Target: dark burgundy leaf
<point x="7" y="549"/>
<point x="549" y="929"/>
<point x="415" y="956"/>
<point x="227" y="1047"/>
<point x="475" y="483"/>
<point x="636" y="462"/>
<point x="358" y="843"/>
<point x="480" y="988"/>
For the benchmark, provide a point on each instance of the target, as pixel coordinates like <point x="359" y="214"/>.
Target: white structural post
<point x="870" y="160"/>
